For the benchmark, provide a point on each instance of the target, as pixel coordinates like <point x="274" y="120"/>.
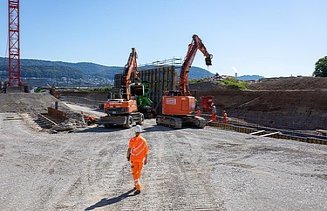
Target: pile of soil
<point x="31" y="103"/>
<point x="292" y="83"/>
<point x="206" y="85"/>
<point x="89" y="99"/>
<point x="287" y="103"/>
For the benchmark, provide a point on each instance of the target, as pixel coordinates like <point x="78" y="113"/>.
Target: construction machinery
<point x="144" y="103"/>
<point x="178" y="107"/>
<point x="207" y="103"/>
<point x="124" y="111"/>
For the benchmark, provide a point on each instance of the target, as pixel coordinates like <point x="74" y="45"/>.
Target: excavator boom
<point x="130" y="67"/>
<point x="193" y="47"/>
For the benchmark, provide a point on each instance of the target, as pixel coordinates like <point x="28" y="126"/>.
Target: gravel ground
<point x="188" y="169"/>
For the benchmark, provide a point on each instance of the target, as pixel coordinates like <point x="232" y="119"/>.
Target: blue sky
<point x="268" y="38"/>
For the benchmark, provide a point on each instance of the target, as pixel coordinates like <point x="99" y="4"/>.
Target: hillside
<point x="291" y="103"/>
<point x="40" y="72"/>
<point x="249" y="77"/>
<point x="291" y="83"/>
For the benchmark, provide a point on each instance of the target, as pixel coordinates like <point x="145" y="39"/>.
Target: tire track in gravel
<point x="40" y="178"/>
<point x="104" y="176"/>
<point x="188" y="153"/>
<point x="91" y="180"/>
<point x="152" y="179"/>
<point x="49" y="169"/>
<point x="173" y="180"/>
<point x="123" y="182"/>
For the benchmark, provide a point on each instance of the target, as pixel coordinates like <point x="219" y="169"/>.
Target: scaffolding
<point x="176" y="62"/>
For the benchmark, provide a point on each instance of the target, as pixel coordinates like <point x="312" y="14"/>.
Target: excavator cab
<point x="172" y="93"/>
<point x="137" y="89"/>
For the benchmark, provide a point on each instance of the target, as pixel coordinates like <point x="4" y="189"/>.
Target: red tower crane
<point x="14" y="48"/>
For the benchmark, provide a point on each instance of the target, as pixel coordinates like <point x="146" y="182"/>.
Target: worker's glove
<point x="145" y="161"/>
<point x="128" y="157"/>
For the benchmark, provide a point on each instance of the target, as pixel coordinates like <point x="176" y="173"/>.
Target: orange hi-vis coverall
<point x="139" y="150"/>
<point x="224" y="117"/>
<point x="213" y="117"/>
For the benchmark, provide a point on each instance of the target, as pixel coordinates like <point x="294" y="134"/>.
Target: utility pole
<point x="14" y="47"/>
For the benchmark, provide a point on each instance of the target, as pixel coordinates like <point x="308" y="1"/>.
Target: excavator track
<point x="195" y="121"/>
<point x="169" y="121"/>
<point x="178" y="122"/>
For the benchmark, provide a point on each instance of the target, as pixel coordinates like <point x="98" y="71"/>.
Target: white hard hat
<point x="138" y="129"/>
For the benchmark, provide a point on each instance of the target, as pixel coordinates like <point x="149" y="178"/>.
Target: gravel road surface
<point x="188" y="169"/>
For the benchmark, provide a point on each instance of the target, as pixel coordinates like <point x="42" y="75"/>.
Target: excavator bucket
<point x="208" y="61"/>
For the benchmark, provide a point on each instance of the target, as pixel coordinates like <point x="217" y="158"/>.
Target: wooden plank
<point x="270" y="134"/>
<point x="257" y="132"/>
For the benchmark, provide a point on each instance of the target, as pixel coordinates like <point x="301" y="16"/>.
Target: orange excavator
<point x="178" y="107"/>
<point x="124" y="111"/>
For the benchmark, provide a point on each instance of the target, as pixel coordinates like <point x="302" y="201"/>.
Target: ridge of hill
<point x="41" y="72"/>
<point x="291" y="83"/>
<point x="250" y="77"/>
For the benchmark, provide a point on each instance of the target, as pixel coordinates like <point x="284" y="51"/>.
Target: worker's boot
<point x="138" y="188"/>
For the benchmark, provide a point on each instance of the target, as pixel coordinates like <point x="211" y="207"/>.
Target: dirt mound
<point x="90" y="99"/>
<point x="206" y="85"/>
<point x="303" y="110"/>
<point x="288" y="103"/>
<point x="300" y="83"/>
<point x="32" y="103"/>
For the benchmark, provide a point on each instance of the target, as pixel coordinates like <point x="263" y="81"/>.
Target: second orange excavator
<point x="124" y="111"/>
<point x="178" y="107"/>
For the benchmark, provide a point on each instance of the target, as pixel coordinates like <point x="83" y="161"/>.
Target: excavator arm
<point x="195" y="45"/>
<point x="130" y="67"/>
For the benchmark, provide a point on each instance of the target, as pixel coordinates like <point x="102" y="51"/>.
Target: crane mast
<point x="14" y="45"/>
<point x="193" y="47"/>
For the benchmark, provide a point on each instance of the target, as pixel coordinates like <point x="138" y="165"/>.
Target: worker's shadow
<point x="106" y="202"/>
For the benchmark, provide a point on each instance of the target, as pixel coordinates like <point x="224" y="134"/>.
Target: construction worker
<point x="4" y="88"/>
<point x="225" y="117"/>
<point x="90" y="120"/>
<point x="213" y="108"/>
<point x="197" y="111"/>
<point x="137" y="154"/>
<point x="213" y="117"/>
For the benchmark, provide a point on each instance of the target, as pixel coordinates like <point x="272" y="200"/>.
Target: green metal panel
<point x="160" y="79"/>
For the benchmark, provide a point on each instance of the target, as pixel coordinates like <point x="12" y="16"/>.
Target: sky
<point x="251" y="37"/>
